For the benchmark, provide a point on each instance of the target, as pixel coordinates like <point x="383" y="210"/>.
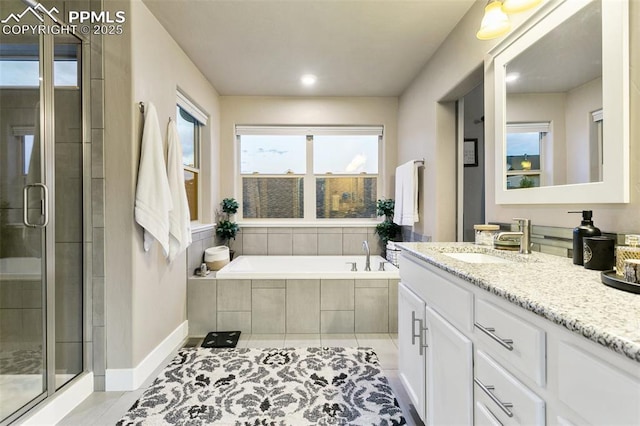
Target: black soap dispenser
<point x="586" y="229"/>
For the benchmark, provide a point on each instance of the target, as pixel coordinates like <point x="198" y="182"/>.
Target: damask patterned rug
<point x="255" y="387"/>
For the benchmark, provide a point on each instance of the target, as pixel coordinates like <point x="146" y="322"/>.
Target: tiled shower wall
<point x="286" y="241"/>
<point x="95" y="341"/>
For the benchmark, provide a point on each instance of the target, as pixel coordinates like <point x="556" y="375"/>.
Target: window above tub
<point x="189" y="121"/>
<point x="308" y="174"/>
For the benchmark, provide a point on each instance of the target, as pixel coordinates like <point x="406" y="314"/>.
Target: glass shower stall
<point x="42" y="130"/>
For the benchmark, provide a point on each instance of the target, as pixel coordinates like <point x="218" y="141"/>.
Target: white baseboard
<point x="128" y="379"/>
<point x="62" y="403"/>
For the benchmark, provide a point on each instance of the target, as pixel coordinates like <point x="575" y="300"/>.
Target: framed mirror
<point x="562" y="106"/>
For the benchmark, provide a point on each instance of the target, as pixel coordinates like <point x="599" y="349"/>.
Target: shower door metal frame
<point x="47" y="169"/>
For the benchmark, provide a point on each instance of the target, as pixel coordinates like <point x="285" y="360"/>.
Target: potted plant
<point x="226" y="228"/>
<point x="526" y="182"/>
<point x="387" y="230"/>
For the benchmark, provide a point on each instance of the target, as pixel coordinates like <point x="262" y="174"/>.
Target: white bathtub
<point x="305" y="267"/>
<point x="20" y="269"/>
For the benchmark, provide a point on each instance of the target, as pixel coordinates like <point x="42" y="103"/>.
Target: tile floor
<point x="106" y="408"/>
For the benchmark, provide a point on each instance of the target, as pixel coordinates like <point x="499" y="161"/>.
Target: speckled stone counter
<point x="550" y="286"/>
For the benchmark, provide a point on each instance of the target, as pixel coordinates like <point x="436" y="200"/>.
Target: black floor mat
<point x="221" y="339"/>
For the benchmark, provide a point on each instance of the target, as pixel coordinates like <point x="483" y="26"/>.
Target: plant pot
<point x="216" y="257"/>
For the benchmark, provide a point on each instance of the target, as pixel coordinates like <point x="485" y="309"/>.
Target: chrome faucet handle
<point x="353" y="266"/>
<point x="381" y="267"/>
<point x="525" y="241"/>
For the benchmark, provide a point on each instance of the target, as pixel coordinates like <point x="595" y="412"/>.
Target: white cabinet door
<point x="411" y="357"/>
<point x="449" y="373"/>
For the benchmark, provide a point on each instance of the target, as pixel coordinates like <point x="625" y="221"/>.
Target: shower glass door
<point x="66" y="205"/>
<point x="41" y="214"/>
<point x="23" y="372"/>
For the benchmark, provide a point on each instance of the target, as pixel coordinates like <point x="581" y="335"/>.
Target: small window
<point x="27" y="150"/>
<point x="524" y="154"/>
<point x="21" y="73"/>
<point x="189" y="133"/>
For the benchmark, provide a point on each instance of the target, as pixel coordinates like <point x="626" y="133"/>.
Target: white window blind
<point x="308" y="130"/>
<point x="191" y="108"/>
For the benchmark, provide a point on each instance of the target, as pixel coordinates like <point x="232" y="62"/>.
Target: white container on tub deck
<point x="216" y="257"/>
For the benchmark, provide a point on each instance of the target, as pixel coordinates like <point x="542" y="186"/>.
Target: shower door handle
<point x="44" y="205"/>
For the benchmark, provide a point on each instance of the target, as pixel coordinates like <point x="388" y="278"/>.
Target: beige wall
<point x="450" y="74"/>
<point x="146" y="296"/>
<point x="551" y="107"/>
<point x="250" y="110"/>
<point x="581" y="102"/>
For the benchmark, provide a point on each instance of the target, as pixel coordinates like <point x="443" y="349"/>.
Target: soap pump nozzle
<point x="586" y="216"/>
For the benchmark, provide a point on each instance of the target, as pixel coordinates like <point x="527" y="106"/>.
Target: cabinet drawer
<point x="512" y="339"/>
<point x="495" y="387"/>
<point x="482" y="416"/>
<point x="450" y="300"/>
<point x="597" y="391"/>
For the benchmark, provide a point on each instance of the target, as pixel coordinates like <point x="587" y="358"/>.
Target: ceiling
<point x="574" y="48"/>
<point x="354" y="47"/>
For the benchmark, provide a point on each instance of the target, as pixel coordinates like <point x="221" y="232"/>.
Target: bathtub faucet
<point x="365" y="247"/>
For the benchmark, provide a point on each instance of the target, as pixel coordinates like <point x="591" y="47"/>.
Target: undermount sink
<point x="477" y="258"/>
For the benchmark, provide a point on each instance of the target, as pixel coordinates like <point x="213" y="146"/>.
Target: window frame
<point x="543" y="129"/>
<point x="309" y="177"/>
<point x="201" y="119"/>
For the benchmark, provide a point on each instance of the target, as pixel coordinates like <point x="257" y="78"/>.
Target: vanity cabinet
<point x="435" y="359"/>
<point x="449" y="360"/>
<point x="411" y="364"/>
<point x="488" y="361"/>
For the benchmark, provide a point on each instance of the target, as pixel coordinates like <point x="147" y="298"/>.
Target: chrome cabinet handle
<point x="504" y="406"/>
<point x="413" y="328"/>
<point x="489" y="331"/>
<point x="423" y="344"/>
<point x="44" y="205"/>
<point x="419" y="334"/>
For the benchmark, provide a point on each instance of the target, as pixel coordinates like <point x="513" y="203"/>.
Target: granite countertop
<point x="550" y="286"/>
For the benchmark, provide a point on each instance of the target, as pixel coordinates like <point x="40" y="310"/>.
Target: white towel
<point x="179" y="217"/>
<point x="406" y="202"/>
<point x="153" y="199"/>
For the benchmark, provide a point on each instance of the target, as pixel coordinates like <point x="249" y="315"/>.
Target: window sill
<point x="199" y="227"/>
<point x="329" y="224"/>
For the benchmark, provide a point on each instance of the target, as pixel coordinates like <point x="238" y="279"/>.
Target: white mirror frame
<point x="614" y="187"/>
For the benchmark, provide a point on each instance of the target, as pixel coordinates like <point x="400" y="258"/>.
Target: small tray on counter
<point x="612" y="280"/>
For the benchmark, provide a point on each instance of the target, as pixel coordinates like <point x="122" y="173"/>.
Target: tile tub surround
<point x="286" y="240"/>
<point x="551" y="287"/>
<point x="301" y="306"/>
<point x="306" y="267"/>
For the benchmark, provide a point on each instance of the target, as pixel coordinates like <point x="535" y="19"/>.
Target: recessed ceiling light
<point x="309" y="79"/>
<point x="511" y="77"/>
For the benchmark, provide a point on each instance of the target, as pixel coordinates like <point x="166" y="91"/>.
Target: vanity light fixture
<point x="511" y="77"/>
<point x="495" y="22"/>
<point x="308" y="79"/>
<point x="516" y="6"/>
